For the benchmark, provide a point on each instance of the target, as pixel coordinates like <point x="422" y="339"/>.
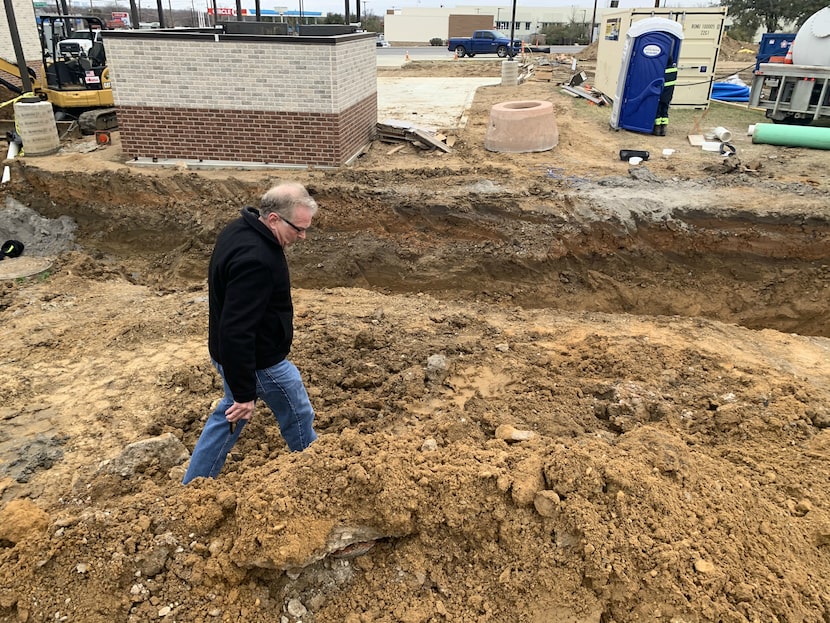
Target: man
<point x="251" y="327"/>
<point x="661" y="122"/>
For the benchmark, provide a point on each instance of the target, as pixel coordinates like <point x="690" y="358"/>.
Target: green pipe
<point x="791" y="135"/>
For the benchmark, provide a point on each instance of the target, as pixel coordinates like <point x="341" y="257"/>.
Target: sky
<point x="379" y="7"/>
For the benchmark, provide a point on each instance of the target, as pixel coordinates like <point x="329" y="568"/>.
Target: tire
<point x="791" y="120"/>
<point x="470" y="55"/>
<point x="502" y="51"/>
<point x="459" y="49"/>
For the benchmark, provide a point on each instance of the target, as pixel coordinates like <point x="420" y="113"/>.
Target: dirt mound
<point x="736" y="51"/>
<point x="692" y="486"/>
<point x="588" y="53"/>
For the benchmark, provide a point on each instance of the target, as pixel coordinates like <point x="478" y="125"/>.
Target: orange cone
<point x="789" y="57"/>
<point x="455" y="56"/>
<point x="406" y="59"/>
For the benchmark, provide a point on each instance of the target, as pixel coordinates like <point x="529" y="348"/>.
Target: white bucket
<point x="37" y="128"/>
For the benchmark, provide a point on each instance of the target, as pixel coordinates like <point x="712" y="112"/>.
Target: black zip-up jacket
<point x="251" y="313"/>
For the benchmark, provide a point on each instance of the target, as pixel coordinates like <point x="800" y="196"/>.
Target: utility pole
<point x="593" y="21"/>
<point x="160" y="8"/>
<point x="346" y="17"/>
<point x="134" y="14"/>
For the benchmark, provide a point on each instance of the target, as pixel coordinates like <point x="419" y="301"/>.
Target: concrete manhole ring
<point x="23" y="266"/>
<point x="522" y="126"/>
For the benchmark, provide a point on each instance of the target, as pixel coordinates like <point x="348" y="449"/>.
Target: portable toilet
<point x="651" y="46"/>
<point x="696" y="66"/>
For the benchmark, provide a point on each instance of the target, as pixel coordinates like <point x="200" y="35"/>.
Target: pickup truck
<point x="484" y="42"/>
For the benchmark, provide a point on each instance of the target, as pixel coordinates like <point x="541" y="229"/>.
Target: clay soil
<point x="550" y="387"/>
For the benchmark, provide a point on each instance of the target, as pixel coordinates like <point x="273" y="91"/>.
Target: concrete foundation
<point x="519" y="127"/>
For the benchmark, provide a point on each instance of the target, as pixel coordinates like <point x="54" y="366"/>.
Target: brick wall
<point x="277" y="100"/>
<point x="24" y="16"/>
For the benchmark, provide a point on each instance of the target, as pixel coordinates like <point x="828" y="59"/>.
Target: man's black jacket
<point x="251" y="314"/>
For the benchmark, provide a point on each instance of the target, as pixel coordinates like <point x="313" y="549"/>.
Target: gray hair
<point x="284" y="199"/>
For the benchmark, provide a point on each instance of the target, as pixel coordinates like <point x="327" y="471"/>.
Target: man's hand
<point x="240" y="411"/>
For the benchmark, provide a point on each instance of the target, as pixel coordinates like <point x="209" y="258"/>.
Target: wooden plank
<point x="430" y="140"/>
<point x="395" y="150"/>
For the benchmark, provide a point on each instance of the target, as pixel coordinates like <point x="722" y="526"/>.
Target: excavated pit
<point x="484" y="453"/>
<point x="584" y="249"/>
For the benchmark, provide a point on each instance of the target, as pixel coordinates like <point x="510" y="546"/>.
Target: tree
<point x="565" y="34"/>
<point x="771" y="14"/>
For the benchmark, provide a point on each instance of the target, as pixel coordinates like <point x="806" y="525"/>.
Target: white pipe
<point x="14" y="149"/>
<point x="723" y="134"/>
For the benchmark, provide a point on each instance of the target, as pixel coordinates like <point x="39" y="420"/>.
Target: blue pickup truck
<point x="484" y="42"/>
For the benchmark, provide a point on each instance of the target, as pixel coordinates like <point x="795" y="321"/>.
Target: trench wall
<point x="262" y="99"/>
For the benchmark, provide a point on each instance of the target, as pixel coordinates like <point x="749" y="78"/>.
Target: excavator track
<point x="99" y="119"/>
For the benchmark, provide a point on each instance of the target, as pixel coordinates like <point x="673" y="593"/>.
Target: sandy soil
<point x="549" y="387"/>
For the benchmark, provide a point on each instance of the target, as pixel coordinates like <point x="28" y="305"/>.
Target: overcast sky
<point x="379" y="7"/>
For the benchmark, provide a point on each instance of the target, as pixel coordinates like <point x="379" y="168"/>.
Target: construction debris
<point x="592" y="95"/>
<point x="394" y="131"/>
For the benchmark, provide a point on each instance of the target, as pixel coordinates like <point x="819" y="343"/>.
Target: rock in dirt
<point x="166" y="451"/>
<point x="20" y="518"/>
<point x="511" y="433"/>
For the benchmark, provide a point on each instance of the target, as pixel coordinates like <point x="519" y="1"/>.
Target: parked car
<point x="484" y="42"/>
<point x="381" y="42"/>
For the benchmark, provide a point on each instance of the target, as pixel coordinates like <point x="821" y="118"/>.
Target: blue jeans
<point x="282" y="389"/>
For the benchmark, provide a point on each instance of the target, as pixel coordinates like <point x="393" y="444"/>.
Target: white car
<point x="382" y="43"/>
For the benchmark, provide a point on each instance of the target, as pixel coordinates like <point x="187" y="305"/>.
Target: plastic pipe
<point x="723" y="134"/>
<point x="791" y="135"/>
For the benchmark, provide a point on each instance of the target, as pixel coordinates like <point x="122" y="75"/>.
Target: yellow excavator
<point x="75" y="77"/>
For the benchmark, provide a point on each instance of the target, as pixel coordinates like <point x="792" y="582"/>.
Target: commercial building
<point x="420" y="25"/>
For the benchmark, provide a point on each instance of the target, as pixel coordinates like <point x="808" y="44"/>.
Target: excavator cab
<point x="76" y="78"/>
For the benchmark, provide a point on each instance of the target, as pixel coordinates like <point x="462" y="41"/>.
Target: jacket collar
<point x="251" y="217"/>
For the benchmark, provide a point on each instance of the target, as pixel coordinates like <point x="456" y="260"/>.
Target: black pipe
<point x="512" y="32"/>
<point x="134" y="16"/>
<point x="161" y="13"/>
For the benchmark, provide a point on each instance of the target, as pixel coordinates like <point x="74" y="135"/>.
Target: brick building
<point x="270" y="99"/>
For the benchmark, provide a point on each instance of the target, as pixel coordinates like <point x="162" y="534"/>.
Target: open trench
<point x="591" y="248"/>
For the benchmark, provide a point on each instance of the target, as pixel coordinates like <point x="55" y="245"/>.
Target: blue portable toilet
<point x="650" y="44"/>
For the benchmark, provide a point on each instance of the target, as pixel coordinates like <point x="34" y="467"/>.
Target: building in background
<point x="420" y="25"/>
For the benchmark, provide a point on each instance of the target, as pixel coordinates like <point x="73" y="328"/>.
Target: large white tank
<point x="811" y="45"/>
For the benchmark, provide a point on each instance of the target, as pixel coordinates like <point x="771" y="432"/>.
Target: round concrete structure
<point x="519" y="127"/>
<point x="35" y="121"/>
